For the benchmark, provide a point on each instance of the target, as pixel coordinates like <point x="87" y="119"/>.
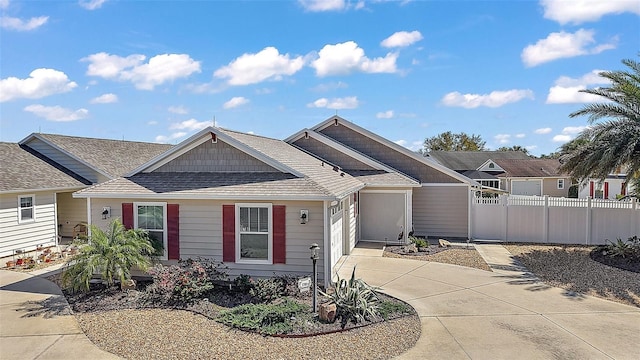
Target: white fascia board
<point x="198" y="139"/>
<point x="394" y="186"/>
<point x="19" y="191"/>
<point x="348" y="151"/>
<point x="392" y="145"/>
<point x="204" y="197"/>
<point x="26" y="140"/>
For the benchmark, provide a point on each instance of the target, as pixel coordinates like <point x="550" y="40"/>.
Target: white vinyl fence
<point x="544" y="219"/>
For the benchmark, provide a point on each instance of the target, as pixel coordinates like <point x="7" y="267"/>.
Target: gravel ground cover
<point x="572" y="268"/>
<point x="452" y="255"/>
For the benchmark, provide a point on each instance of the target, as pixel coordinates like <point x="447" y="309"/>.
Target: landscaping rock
<point x="327" y="312"/>
<point x="128" y="285"/>
<point x="444" y="243"/>
<point x="411" y="248"/>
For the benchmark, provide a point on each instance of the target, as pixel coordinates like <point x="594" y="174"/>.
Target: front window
<point x="254" y="239"/>
<point x="26" y="210"/>
<point x="560" y="183"/>
<point x="152" y="218"/>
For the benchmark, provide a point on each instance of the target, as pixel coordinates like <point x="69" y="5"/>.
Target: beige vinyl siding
<point x="330" y="154"/>
<point x="201" y="233"/>
<point x="71" y="212"/>
<point x="387" y="155"/>
<point x="550" y="187"/>
<point x="215" y="157"/>
<point x="66" y="161"/>
<point x="441" y="211"/>
<point x="27" y="235"/>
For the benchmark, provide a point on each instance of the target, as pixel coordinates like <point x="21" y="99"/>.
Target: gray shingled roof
<point x="337" y="183"/>
<point x="382" y="178"/>
<point x="472" y="160"/>
<point x="530" y="168"/>
<point x="22" y="170"/>
<point x="214" y="185"/>
<point x="114" y="157"/>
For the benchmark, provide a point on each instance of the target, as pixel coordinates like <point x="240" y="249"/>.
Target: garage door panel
<point x="526" y="187"/>
<point x="382" y="216"/>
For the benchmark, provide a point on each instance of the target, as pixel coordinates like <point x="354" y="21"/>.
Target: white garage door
<point x="382" y="216"/>
<point x="336" y="234"/>
<point x="526" y="187"/>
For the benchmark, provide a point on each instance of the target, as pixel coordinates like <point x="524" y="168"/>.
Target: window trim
<point x="560" y="181"/>
<point x="165" y="231"/>
<point x="269" y="259"/>
<point x="33" y="208"/>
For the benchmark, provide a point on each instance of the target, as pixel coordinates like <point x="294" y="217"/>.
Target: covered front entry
<point x="384" y="215"/>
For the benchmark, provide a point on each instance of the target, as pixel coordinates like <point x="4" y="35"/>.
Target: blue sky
<point x="509" y="71"/>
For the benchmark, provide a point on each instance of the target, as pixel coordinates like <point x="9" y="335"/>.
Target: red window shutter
<point x="173" y="231"/>
<point x="228" y="233"/>
<point x="127" y="215"/>
<point x="606" y="190"/>
<point x="591" y="189"/>
<point x="279" y="234"/>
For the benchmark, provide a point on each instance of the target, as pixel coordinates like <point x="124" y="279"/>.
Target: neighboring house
<point x="611" y="187"/>
<point x="258" y="204"/>
<point x="40" y="173"/>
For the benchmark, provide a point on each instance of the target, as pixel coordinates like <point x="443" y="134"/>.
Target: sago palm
<point x="111" y="254"/>
<point x="613" y="144"/>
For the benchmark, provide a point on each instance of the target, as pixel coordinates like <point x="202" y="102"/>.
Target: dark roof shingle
<point x="472" y="160"/>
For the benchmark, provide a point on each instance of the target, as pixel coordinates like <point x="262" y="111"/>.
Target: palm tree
<point x="112" y="254"/>
<point x="613" y="144"/>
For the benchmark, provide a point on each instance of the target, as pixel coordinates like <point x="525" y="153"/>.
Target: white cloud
<point x="105" y="99"/>
<point x="174" y="136"/>
<point x="91" y="4"/>
<point x="235" y="102"/>
<point x="17" y="24"/>
<point x="330" y="86"/>
<point x="268" y="64"/>
<point x="567" y="90"/>
<point x="4" y="4"/>
<point x="350" y="102"/>
<point x="562" y="138"/>
<point x="401" y="39"/>
<point x="542" y="131"/>
<point x="160" y="68"/>
<point x="563" y="45"/>
<point x="152" y="122"/>
<point x="344" y="58"/>
<point x="190" y="125"/>
<point x="579" y="11"/>
<point x="323" y="5"/>
<point x="493" y="99"/>
<point x="41" y="83"/>
<point x="520" y="136"/>
<point x="178" y="110"/>
<point x="385" y="115"/>
<point x="413" y="146"/>
<point x="502" y="138"/>
<point x="57" y="113"/>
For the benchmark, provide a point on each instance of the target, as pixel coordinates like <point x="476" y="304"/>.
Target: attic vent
<point x="306" y="134"/>
<point x="335" y="122"/>
<point x="491" y="166"/>
<point x="214" y="138"/>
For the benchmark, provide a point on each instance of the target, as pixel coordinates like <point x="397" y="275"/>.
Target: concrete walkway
<point x="36" y="322"/>
<point x="505" y="314"/>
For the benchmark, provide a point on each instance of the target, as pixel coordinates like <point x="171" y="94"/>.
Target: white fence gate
<point x="544" y="219"/>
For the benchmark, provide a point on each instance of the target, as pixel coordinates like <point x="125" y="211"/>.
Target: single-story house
<point x="610" y="188"/>
<point x="511" y="171"/>
<point x="39" y="175"/>
<point x="258" y="204"/>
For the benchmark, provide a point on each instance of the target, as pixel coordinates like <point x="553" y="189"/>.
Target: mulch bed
<point x="631" y="263"/>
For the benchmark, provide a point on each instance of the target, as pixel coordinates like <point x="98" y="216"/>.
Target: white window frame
<point x="239" y="231"/>
<point x="33" y="209"/>
<point x="560" y="184"/>
<point x="165" y="243"/>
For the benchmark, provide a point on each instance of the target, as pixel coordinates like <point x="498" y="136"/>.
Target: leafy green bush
<point x="573" y="191"/>
<point x="243" y="283"/>
<point x="420" y="243"/>
<point x="110" y="253"/>
<point x="622" y="248"/>
<point x="387" y="308"/>
<point x="355" y="300"/>
<point x="184" y="283"/>
<point x="267" y="290"/>
<point x="267" y="318"/>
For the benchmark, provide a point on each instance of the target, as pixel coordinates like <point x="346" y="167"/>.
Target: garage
<point x="382" y="215"/>
<point x="526" y="187"/>
<point x="336" y="233"/>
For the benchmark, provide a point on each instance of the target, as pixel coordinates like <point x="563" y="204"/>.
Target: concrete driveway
<point x="505" y="314"/>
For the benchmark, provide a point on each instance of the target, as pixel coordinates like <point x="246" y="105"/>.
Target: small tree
<point x="448" y="141"/>
<point x="112" y="254"/>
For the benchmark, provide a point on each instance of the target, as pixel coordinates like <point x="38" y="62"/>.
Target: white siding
<point x="27" y="235"/>
<point x="441" y="211"/>
<point x="70" y="213"/>
<point x="201" y="233"/>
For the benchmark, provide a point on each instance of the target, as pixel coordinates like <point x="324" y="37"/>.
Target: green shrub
<point x="243" y="283"/>
<point x="573" y="191"/>
<point x="355" y="300"/>
<point x="622" y="248"/>
<point x="267" y="290"/>
<point x="186" y="282"/>
<point x="267" y="319"/>
<point x="420" y="243"/>
<point x="387" y="308"/>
